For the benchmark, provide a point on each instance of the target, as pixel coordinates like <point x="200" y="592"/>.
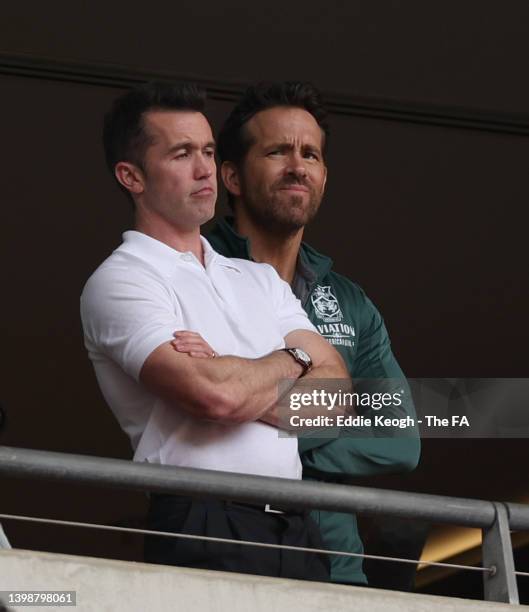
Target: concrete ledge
<point x="105" y="585"/>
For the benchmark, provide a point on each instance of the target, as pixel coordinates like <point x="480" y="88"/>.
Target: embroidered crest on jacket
<point x="326" y="305"/>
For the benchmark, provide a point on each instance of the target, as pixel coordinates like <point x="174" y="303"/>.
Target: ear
<point x="230" y="178"/>
<point x="324" y="180"/>
<point x="130" y="176"/>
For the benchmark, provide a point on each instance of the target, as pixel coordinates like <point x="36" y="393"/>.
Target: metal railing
<point x="495" y="519"/>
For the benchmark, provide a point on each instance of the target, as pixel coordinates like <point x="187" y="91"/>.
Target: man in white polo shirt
<point x="179" y="410"/>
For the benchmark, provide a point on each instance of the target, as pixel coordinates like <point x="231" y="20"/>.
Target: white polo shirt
<point x="134" y="302"/>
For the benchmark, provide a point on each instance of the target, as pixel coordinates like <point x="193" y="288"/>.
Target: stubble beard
<point x="277" y="214"/>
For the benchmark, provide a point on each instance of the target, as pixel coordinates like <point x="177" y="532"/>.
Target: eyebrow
<point x="286" y="145"/>
<point x="186" y="144"/>
<point x="279" y="144"/>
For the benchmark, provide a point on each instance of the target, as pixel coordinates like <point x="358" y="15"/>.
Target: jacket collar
<point x="225" y="239"/>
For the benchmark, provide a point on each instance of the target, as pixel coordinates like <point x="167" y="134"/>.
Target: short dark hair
<point x="234" y="142"/>
<point x="124" y="136"/>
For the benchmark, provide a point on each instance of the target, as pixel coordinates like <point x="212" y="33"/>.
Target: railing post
<point x="4" y="542"/>
<point x="497" y="553"/>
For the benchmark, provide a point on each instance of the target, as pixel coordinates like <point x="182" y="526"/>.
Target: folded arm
<point x="226" y="389"/>
<point x="327" y="364"/>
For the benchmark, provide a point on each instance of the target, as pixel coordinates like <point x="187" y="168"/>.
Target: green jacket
<point x="346" y="317"/>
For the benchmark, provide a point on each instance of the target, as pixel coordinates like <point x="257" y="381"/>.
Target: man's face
<point x="283" y="175"/>
<point x="179" y="177"/>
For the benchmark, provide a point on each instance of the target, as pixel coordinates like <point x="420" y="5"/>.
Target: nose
<point x="204" y="166"/>
<point x="296" y="165"/>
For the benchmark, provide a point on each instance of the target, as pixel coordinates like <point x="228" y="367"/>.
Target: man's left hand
<point x="193" y="344"/>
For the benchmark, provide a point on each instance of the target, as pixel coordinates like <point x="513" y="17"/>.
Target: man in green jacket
<point x="272" y="150"/>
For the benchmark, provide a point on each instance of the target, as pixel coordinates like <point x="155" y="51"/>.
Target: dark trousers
<point x="235" y="521"/>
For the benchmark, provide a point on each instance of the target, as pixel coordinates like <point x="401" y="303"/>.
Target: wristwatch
<point x="302" y="357"/>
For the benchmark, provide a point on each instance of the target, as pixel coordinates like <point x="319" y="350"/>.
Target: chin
<point x="207" y="215"/>
<point x="295" y="219"/>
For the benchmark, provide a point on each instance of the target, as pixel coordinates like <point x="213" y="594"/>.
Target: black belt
<point x="268" y="508"/>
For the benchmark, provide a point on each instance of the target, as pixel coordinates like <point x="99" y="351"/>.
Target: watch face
<point x="301" y="355"/>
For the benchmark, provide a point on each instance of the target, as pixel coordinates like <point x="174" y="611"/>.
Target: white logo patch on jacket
<point x="326" y="305"/>
<point x="327" y="308"/>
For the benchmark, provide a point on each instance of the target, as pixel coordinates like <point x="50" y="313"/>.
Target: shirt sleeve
<point x="126" y="315"/>
<point x="288" y="307"/>
<point x="384" y="449"/>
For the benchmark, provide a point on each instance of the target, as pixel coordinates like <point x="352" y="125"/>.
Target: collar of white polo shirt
<point x="164" y="258"/>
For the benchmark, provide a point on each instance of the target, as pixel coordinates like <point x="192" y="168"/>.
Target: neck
<point x="177" y="238"/>
<point x="280" y="251"/>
